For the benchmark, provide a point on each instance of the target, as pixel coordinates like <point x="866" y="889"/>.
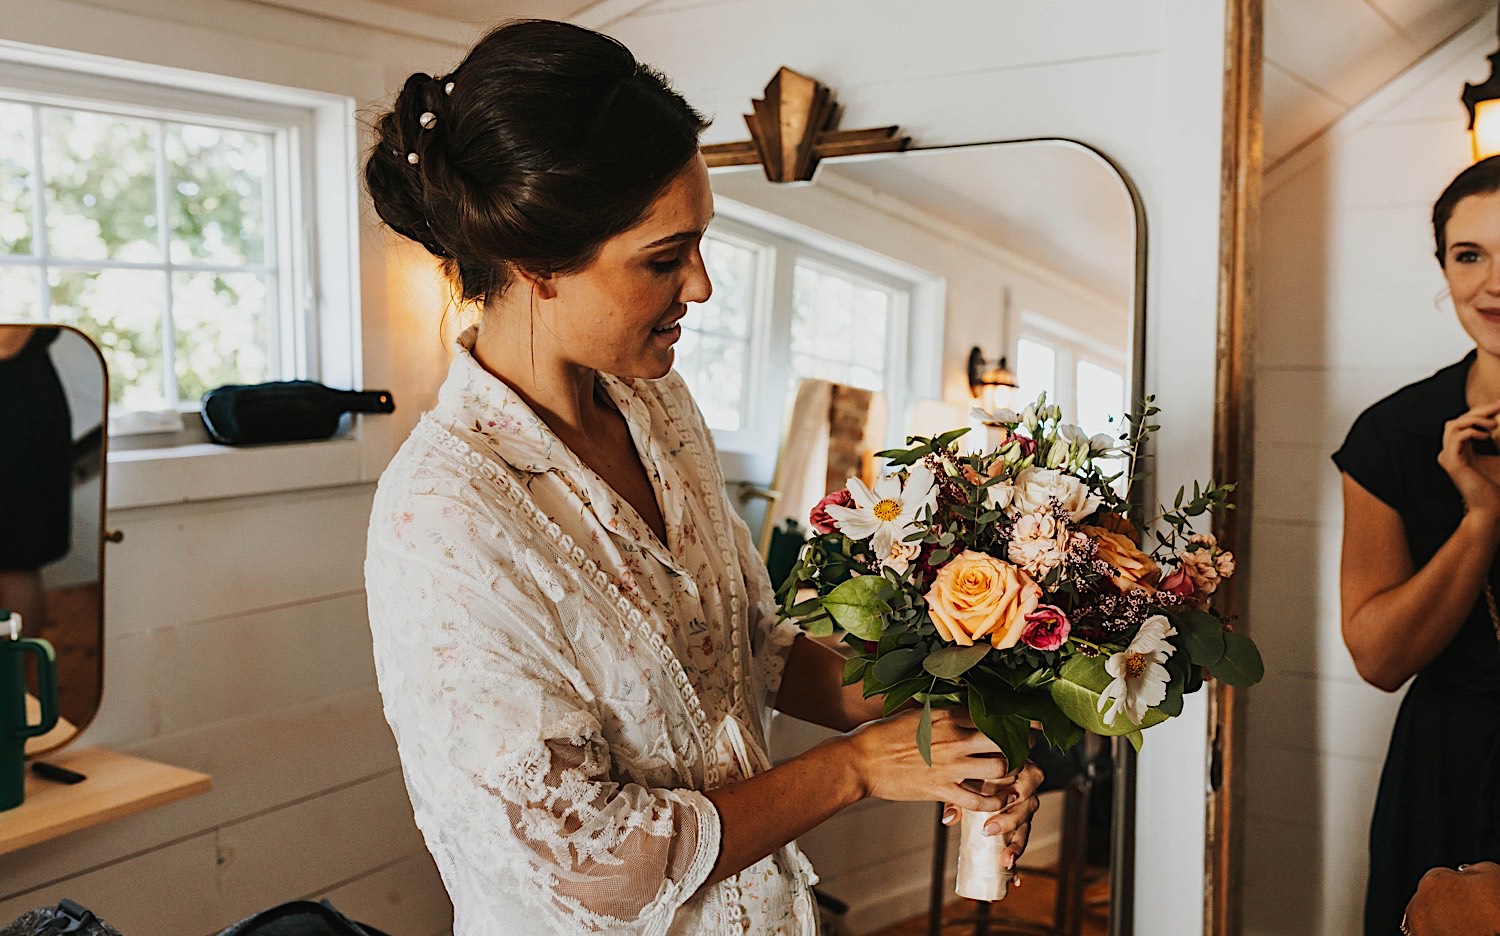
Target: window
<point x="714" y="353"/>
<point x="1084" y="377"/>
<point x="839" y="325"/>
<point x="173" y="227"/>
<point x="785" y="308"/>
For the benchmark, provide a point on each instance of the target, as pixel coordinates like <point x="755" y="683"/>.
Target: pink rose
<point x="819" y="519"/>
<point x="1179" y="583"/>
<point x="1046" y="628"/>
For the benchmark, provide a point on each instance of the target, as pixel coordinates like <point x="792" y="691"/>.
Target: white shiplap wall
<point x="203" y="597"/>
<point x="1348" y="313"/>
<point x="237" y="641"/>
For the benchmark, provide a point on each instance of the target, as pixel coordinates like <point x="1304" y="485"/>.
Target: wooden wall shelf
<point x="118" y="785"/>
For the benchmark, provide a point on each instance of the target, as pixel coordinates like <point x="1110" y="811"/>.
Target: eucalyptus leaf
<point x="860" y="604"/>
<point x="899" y="694"/>
<point x="1136" y="739"/>
<point x="1011" y="733"/>
<point x="1202" y="634"/>
<point x="924" y="733"/>
<point x="953" y="662"/>
<point x="1241" y="664"/>
<point x="854" y="670"/>
<point x="892" y="667"/>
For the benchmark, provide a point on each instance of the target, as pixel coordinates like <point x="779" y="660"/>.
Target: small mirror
<point x="53" y="407"/>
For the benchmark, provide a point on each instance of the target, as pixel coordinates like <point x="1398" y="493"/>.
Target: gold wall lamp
<point x="794" y="126"/>
<point x="1482" y="101"/>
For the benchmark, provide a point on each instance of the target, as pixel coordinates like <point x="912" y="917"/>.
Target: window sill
<point x="179" y="474"/>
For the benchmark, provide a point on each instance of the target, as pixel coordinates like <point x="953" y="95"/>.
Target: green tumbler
<point x="13" y="727"/>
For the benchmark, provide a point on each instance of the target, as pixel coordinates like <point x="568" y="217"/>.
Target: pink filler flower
<point x="1046" y="628"/>
<point x="819" y="519"/>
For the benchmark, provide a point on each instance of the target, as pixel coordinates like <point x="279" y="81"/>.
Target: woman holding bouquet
<point x="1421" y="527"/>
<point x="576" y="642"/>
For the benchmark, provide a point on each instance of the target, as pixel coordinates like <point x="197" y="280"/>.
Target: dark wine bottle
<point x="284" y="411"/>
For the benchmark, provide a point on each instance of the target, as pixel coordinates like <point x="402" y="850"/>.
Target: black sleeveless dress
<point x="1439" y="797"/>
<point x="36" y="443"/>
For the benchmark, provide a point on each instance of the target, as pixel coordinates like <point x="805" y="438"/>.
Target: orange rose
<point x="1134" y="570"/>
<point x="1119" y="523"/>
<point x="977" y="596"/>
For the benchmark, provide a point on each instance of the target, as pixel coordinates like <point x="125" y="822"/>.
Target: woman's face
<point x="1472" y="268"/>
<point x="620" y="314"/>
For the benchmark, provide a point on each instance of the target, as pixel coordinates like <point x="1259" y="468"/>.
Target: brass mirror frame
<point x="1122" y="841"/>
<point x="1233" y="454"/>
<point x="105" y="536"/>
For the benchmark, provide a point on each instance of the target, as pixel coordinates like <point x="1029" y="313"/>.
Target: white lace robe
<point x="561" y="685"/>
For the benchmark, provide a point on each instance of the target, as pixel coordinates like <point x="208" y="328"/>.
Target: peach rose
<point x="1133" y="569"/>
<point x="976" y="596"/>
<point x="1119" y="523"/>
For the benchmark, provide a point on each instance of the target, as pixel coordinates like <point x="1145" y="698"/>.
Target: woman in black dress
<point x="1418" y="579"/>
<point x="36" y="492"/>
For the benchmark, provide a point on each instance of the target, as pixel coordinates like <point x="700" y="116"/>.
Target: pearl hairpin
<point x="448" y="88"/>
<point x="412" y="158"/>
<point x="428" y="120"/>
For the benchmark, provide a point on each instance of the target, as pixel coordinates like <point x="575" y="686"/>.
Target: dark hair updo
<point x="545" y="142"/>
<point x="1482" y="178"/>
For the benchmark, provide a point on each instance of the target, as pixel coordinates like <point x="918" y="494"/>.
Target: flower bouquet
<point x="1013" y="581"/>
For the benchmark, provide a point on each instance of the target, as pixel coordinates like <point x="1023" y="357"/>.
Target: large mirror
<point x="53" y="398"/>
<point x="845" y="315"/>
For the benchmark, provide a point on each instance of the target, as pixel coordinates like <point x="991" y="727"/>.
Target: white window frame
<point x="913" y="354"/>
<point x="1071" y="347"/>
<point x="318" y="261"/>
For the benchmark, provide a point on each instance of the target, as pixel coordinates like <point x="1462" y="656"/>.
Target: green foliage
<point x="1241" y="664"/>
<point x="924" y="733"/>
<point x="953" y="662"/>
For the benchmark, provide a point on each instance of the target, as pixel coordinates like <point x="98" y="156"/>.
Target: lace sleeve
<point x="508" y="770"/>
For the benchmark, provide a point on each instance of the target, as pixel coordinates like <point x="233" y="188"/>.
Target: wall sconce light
<point x="1483" y="104"/>
<point x="990" y="381"/>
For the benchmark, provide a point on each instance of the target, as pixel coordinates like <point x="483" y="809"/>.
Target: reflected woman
<point x="36" y="478"/>
<point x="1418" y="579"/>
<point x="575" y="640"/>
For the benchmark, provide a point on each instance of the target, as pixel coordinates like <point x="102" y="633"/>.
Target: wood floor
<point x="1033" y="902"/>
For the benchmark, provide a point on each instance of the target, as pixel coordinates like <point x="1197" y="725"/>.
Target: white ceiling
<point x="1324" y="56"/>
<point x="1321" y="58"/>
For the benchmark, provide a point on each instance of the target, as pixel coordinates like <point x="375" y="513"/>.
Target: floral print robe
<point x="563" y="686"/>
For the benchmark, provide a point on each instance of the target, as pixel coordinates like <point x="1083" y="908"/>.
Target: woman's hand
<point x="1455" y="902"/>
<point x="1480" y="491"/>
<point x="890" y="767"/>
<point x="1014" y="822"/>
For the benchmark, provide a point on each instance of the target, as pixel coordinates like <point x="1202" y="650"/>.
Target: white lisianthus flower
<point x="1000" y="495"/>
<point x="1140" y="679"/>
<point x="1072" y="434"/>
<point x="888" y="514"/>
<point x="1105" y="444"/>
<point x="1036" y="486"/>
<point x="1037" y="543"/>
<point x="997" y="417"/>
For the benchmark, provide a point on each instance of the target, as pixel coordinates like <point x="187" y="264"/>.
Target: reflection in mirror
<point x="864" y="293"/>
<point x="53" y="399"/>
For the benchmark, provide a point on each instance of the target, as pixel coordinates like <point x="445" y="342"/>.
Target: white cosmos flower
<point x="889" y="513"/>
<point x="1140" y="678"/>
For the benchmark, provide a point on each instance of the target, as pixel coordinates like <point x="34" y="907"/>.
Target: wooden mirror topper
<point x="794" y="126"/>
